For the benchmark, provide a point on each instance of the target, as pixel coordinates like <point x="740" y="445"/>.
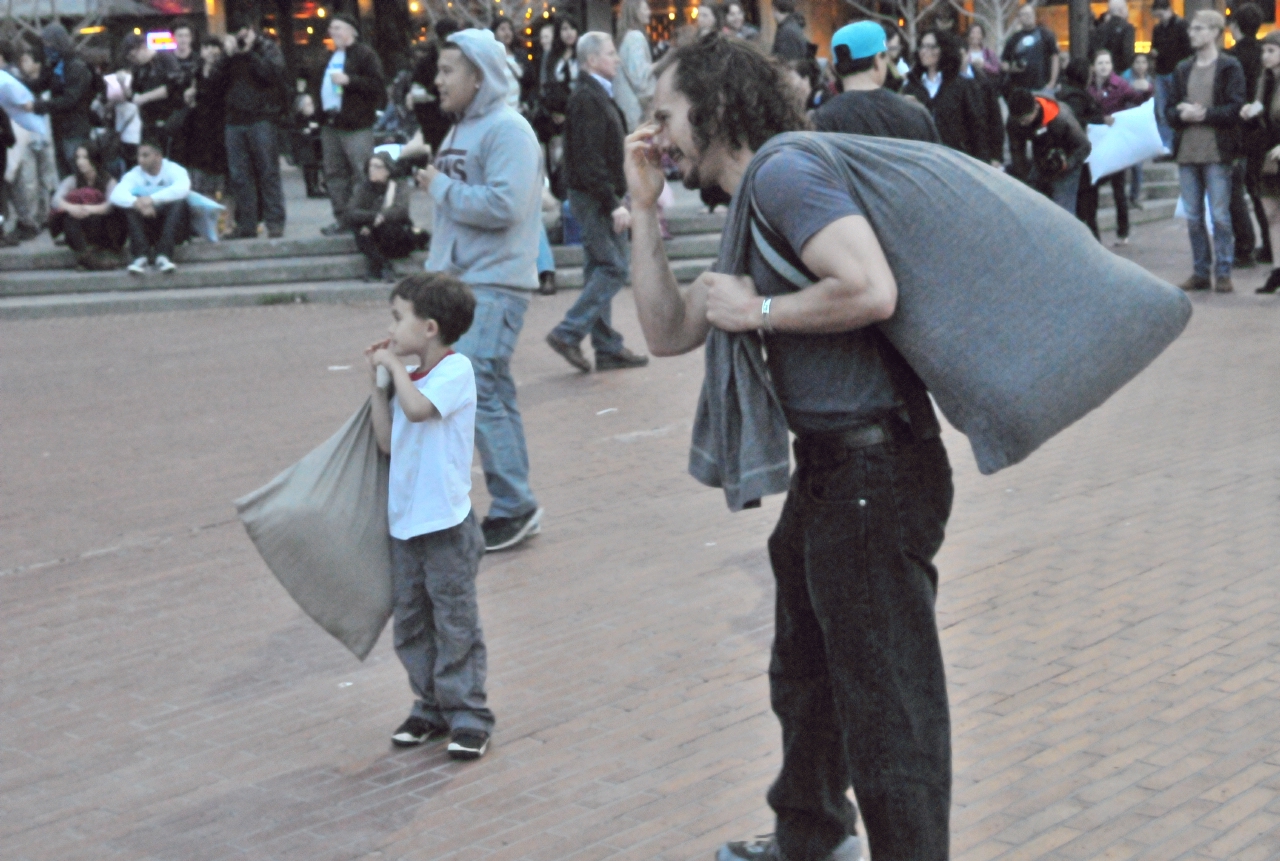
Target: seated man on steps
<point x="154" y="197"/>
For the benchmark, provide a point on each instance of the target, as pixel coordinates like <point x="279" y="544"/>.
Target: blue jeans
<point x="489" y="344"/>
<point x="546" y="260"/>
<point x="856" y="676"/>
<point x="253" y="172"/>
<point x="1163" y="87"/>
<point x="1062" y="189"/>
<point x="1197" y="180"/>
<point x="605" y="272"/>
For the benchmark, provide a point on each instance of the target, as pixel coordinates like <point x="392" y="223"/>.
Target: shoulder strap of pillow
<point x="777" y="252"/>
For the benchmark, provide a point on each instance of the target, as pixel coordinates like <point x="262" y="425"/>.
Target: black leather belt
<point x="894" y="427"/>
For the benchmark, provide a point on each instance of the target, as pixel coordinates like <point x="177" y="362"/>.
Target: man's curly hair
<point x="736" y="94"/>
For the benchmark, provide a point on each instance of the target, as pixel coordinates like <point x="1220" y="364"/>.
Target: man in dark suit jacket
<point x="593" y="155"/>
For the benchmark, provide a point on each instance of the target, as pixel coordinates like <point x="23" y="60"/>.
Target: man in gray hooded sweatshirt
<point x="486" y="185"/>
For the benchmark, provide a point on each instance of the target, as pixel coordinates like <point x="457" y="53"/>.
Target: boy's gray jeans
<point x="437" y="625"/>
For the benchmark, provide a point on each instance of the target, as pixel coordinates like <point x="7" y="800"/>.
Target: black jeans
<point x="856" y="678"/>
<point x="97" y="231"/>
<point x="388" y="241"/>
<point x="253" y="174"/>
<point x="1087" y="202"/>
<point x="156" y="237"/>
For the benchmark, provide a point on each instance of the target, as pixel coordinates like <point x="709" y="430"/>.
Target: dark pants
<point x="1241" y="224"/>
<point x="97" y="231"/>
<point x="1253" y="184"/>
<point x="856" y="677"/>
<point x="253" y="174"/>
<point x="344" y="154"/>
<point x="604" y="272"/>
<point x="387" y="241"/>
<point x="156" y="237"/>
<point x="1087" y="202"/>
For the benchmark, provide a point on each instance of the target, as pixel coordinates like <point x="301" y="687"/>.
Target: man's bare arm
<point x="856" y="287"/>
<point x="674" y="320"/>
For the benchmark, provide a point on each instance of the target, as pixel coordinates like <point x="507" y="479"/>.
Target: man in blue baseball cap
<point x="866" y="107"/>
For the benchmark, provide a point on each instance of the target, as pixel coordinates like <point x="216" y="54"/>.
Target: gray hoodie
<point x="488" y="193"/>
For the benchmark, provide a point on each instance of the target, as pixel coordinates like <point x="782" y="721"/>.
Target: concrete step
<point x="682" y="223"/>
<point x="1152" y="210"/>
<point x="191" y="275"/>
<point x="679" y="247"/>
<point x="685" y="270"/>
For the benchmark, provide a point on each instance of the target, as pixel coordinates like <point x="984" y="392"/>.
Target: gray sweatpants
<point x="437" y="625"/>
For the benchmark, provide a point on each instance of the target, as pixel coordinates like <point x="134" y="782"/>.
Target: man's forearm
<point x="659" y="303"/>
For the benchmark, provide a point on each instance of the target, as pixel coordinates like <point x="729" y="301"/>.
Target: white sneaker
<point x="164" y="264"/>
<point x="138" y="266"/>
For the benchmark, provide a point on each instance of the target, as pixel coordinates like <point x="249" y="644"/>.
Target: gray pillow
<point x="321" y="527"/>
<point x="1014" y="316"/>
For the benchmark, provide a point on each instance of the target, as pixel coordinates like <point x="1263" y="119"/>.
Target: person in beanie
<point x="250" y="78"/>
<point x="71" y="91"/>
<point x="350" y="93"/>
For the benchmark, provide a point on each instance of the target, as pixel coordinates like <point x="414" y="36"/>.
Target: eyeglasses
<point x="929" y="48"/>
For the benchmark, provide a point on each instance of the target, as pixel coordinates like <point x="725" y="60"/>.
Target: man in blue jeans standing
<point x="593" y="158"/>
<point x="1204" y="110"/>
<point x="486" y="185"/>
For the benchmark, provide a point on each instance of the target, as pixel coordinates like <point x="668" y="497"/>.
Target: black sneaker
<point x="415" y="731"/>
<point x="468" y="744"/>
<point x="624" y="358"/>
<point x="503" y="532"/>
<point x="766" y="849"/>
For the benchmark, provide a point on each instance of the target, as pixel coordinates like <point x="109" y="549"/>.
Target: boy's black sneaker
<point x="766" y="849"/>
<point x="416" y="731"/>
<point x="468" y="744"/>
<point x="503" y="532"/>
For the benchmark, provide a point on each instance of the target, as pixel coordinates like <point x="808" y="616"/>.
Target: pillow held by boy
<point x="426" y="423"/>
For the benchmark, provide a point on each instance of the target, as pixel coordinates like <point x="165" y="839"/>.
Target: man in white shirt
<point x="154" y="197"/>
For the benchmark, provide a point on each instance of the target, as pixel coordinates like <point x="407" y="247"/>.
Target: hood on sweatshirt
<point x="57" y="40"/>
<point x="489" y="56"/>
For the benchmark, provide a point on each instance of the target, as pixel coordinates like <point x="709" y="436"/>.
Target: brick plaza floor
<point x="1109" y="613"/>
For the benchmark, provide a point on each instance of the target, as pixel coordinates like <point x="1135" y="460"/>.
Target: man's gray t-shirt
<point x="826" y="382"/>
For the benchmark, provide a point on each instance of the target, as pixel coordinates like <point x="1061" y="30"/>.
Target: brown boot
<point x="1223" y="285"/>
<point x="1195" y="282"/>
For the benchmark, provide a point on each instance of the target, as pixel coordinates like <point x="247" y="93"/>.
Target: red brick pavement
<point x="1109" y="613"/>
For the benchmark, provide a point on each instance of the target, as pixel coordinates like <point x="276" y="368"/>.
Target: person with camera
<point x="250" y="79"/>
<point x="1030" y="55"/>
<point x="1059" y="146"/>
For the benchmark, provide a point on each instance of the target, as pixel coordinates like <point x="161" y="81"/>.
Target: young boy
<point x="428" y="428"/>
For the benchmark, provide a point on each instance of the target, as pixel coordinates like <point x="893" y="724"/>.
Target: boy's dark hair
<point x="735" y="92"/>
<point x="1021" y="102"/>
<point x="185" y="24"/>
<point x="846" y="65"/>
<point x="439" y="297"/>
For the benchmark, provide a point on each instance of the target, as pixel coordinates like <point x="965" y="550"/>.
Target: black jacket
<point x="1249" y="52"/>
<point x="1228" y="98"/>
<point x="1057" y="147"/>
<point x="594" y="129"/>
<point x="364" y="93"/>
<point x="1116" y="35"/>
<point x="70" y="95"/>
<point x="250" y="83"/>
<point x="1171" y="44"/>
<point x="958" y="112"/>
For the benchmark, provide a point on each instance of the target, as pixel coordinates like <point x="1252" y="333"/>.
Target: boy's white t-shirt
<point x="430" y="482"/>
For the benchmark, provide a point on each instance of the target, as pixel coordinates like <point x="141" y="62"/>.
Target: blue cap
<point x="862" y="38"/>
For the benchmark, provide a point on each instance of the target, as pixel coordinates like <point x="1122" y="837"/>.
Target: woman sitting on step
<point x="378" y="215"/>
<point x="81" y="210"/>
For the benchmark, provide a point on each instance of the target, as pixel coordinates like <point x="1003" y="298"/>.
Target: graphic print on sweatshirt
<point x="451" y="162"/>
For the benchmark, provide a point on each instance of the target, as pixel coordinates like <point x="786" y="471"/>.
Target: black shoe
<point x="546" y="283"/>
<point x="1273" y="283"/>
<point x="1263" y="256"/>
<point x="571" y="353"/>
<point x="767" y="850"/>
<point x="421" y="239"/>
<point x="624" y="358"/>
<point x="24" y="232"/>
<point x="1242" y="261"/>
<point x="275" y="232"/>
<point x="416" y="731"/>
<point x="503" y="532"/>
<point x="334" y="229"/>
<point x="468" y="744"/>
